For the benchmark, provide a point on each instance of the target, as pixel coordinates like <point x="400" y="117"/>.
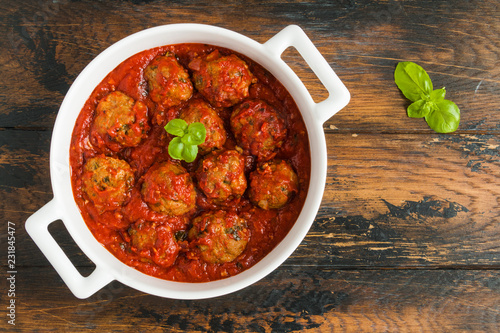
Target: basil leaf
<point x="176" y="148"/>
<point x="442" y="115"/>
<point x="420" y="108"/>
<point x="445" y="118"/>
<point x="198" y="133"/>
<point x="438" y="95"/>
<point x="413" y="81"/>
<point x="184" y="146"/>
<point x="189" y="139"/>
<point x="177" y="127"/>
<point x="189" y="153"/>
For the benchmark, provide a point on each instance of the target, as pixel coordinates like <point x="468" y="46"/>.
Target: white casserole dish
<point x="63" y="207"/>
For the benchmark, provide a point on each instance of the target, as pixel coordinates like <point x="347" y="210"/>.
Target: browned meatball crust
<point x="154" y="242"/>
<point x="119" y="122"/>
<point x="169" y="189"/>
<point x="107" y="182"/>
<point x="222" y="80"/>
<point x="200" y="111"/>
<point x="219" y="236"/>
<point x="272" y="184"/>
<point x="221" y="176"/>
<point x="168" y="81"/>
<point x="258" y="128"/>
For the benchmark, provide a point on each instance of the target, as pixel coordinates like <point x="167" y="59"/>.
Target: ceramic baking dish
<point x="63" y="207"/>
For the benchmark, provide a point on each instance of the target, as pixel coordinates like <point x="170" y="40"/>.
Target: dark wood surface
<point x="408" y="235"/>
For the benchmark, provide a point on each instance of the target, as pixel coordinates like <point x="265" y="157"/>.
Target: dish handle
<point x="338" y="95"/>
<point x="37" y="227"/>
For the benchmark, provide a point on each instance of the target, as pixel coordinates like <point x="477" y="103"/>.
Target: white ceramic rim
<point x="268" y="54"/>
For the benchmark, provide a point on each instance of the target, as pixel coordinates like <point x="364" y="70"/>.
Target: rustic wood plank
<point x="414" y="197"/>
<point x="407" y="235"/>
<point x="362" y="41"/>
<point x="390" y="200"/>
<point x="288" y="300"/>
<point x="367" y="168"/>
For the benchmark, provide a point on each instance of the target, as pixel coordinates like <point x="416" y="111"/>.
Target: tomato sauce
<point x="266" y="227"/>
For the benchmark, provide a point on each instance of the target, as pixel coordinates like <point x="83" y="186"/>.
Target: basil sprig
<point x="442" y="115"/>
<point x="184" y="146"/>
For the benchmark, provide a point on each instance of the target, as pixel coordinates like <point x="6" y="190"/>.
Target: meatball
<point x="154" y="242"/>
<point x="272" y="184"/>
<point x="119" y="122"/>
<point x="107" y="182"/>
<point x="168" y="81"/>
<point x="222" y="80"/>
<point x="219" y="236"/>
<point x="258" y="128"/>
<point x="168" y="189"/>
<point x="142" y="235"/>
<point x="200" y="111"/>
<point x="221" y="176"/>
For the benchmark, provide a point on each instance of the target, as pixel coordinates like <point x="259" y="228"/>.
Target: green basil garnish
<point x="442" y="115"/>
<point x="187" y="138"/>
<point x="177" y="127"/>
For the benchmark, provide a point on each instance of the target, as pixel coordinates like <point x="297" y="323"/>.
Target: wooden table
<point x="408" y="235"/>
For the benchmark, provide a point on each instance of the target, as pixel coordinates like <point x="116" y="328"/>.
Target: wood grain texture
<point x="363" y="41"/>
<point x="407" y="236"/>
<point x="289" y="300"/>
<point x="390" y="200"/>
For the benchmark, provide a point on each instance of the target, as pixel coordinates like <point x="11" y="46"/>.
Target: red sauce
<point x="267" y="227"/>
